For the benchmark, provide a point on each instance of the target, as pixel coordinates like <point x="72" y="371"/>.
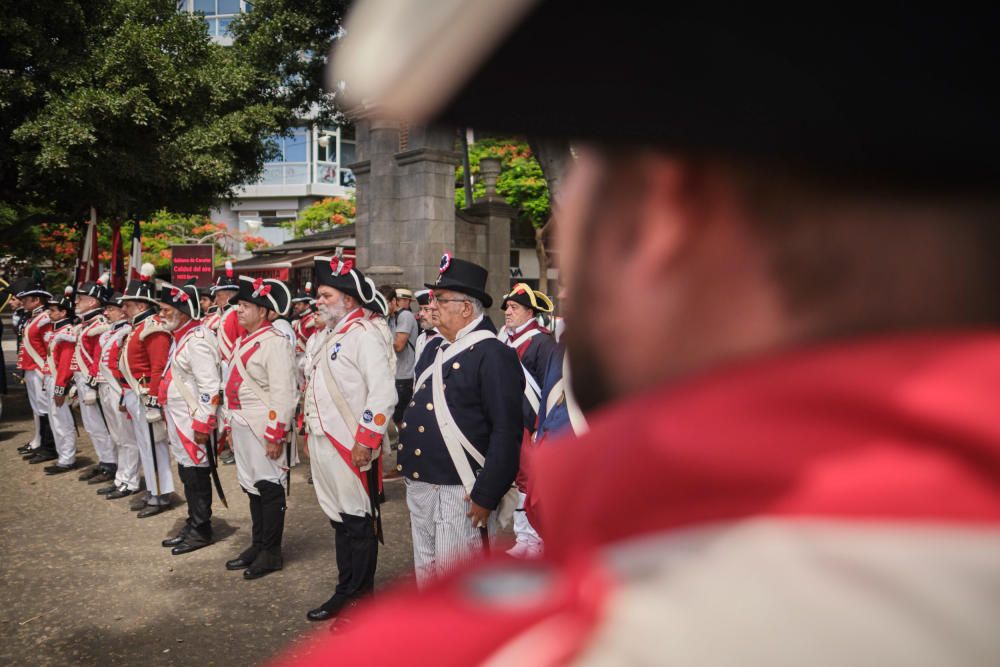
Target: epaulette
<point x="98" y="329"/>
<point x="152" y="326"/>
<point x="65" y="336"/>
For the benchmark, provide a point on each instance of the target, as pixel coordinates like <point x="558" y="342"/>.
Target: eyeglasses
<point x="434" y="299"/>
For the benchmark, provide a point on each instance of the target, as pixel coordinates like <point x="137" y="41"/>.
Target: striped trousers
<point x="443" y="536"/>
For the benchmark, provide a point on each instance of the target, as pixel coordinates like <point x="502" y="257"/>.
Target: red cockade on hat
<point x="178" y="294"/>
<point x="260" y="289"/>
<point x="341" y="267"/>
<point x="445" y="262"/>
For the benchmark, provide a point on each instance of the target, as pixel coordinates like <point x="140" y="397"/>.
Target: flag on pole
<point x="90" y="271"/>
<point x="117" y="259"/>
<point x="135" y="258"/>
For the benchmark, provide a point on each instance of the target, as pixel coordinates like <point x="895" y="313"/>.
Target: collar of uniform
<point x="119" y="324"/>
<point x="56" y="326"/>
<point x="143" y="316"/>
<point x="90" y="314"/>
<point x="38" y="310"/>
<point x="212" y="310"/>
<point x="185" y="328"/>
<point x="512" y="336"/>
<point x="467" y="329"/>
<point x="266" y="326"/>
<point x="348" y="318"/>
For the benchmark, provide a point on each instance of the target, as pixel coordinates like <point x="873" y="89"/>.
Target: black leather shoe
<point x="320" y="614"/>
<point x="24" y="449"/>
<point x="186" y="547"/>
<point x="152" y="510"/>
<point x="102" y="477"/>
<point x="59" y="469"/>
<point x="239" y="563"/>
<point x="105" y="490"/>
<point x="139" y="503"/>
<point x="263" y="565"/>
<point x="120" y="492"/>
<point x="42" y="458"/>
<point x="176" y="539"/>
<point x="90" y="474"/>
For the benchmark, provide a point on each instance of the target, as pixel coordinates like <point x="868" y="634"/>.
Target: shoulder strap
<point x="576" y="418"/>
<point x="454" y="440"/>
<point x="455" y="349"/>
<point x="30" y="349"/>
<point x="237" y="361"/>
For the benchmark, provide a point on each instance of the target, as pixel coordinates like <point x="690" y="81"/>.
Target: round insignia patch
<point x="205" y="398"/>
<point x="380" y="419"/>
<point x="272" y="415"/>
<point x="445" y="262"/>
<point x="367" y="416"/>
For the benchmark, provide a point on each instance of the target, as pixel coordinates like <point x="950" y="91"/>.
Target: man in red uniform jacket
<point x="31" y="362"/>
<point x="62" y="342"/>
<point x="143" y="359"/>
<point x="779" y="236"/>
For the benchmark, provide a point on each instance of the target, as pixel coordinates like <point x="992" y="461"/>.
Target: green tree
<point x="323" y="215"/>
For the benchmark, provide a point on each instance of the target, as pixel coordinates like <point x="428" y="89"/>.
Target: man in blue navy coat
<point x="460" y="440"/>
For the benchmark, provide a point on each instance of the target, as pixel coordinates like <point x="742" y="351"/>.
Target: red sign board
<point x="196" y="260"/>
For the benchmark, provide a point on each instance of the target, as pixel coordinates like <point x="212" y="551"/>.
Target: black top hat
<point x="184" y="298"/>
<point x="529" y="298"/>
<point x="65" y="302"/>
<point x="142" y="288"/>
<point x="305" y="296"/>
<point x="32" y="288"/>
<point x="894" y="92"/>
<point x="423" y="297"/>
<point x="459" y="275"/>
<point x="98" y="289"/>
<point x="342" y="275"/>
<point x="226" y="281"/>
<point x="264" y="292"/>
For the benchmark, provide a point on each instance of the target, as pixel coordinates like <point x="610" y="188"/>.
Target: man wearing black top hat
<point x="460" y="439"/>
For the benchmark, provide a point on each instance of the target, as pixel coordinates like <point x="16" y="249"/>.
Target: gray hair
<point x="477" y="306"/>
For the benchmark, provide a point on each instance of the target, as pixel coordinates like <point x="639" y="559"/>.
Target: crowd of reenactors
<point x="345" y="373"/>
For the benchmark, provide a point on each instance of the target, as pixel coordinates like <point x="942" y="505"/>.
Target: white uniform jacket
<point x="192" y="382"/>
<point x="261" y="387"/>
<point x="353" y="354"/>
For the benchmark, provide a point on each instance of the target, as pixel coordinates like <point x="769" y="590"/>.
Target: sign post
<point x="195" y="260"/>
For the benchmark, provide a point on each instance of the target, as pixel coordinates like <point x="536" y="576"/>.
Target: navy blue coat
<point x="552" y="423"/>
<point x="484" y="396"/>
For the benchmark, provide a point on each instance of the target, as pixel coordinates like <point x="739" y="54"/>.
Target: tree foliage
<point x="323" y="215"/>
<point x="521" y="182"/>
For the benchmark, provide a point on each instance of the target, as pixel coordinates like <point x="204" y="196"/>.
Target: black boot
<point x="48" y="440"/>
<point x="272" y="499"/>
<point x="183" y="473"/>
<point x="244" y="560"/>
<point x="198" y="489"/>
<point x="357" y="555"/>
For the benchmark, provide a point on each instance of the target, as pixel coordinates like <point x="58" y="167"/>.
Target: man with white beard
<point x="349" y="398"/>
<point x="189" y="394"/>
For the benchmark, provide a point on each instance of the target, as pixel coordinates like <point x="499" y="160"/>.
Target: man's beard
<point x="170" y="323"/>
<point x="331" y="314"/>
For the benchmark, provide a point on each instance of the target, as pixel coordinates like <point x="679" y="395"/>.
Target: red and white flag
<point x="87" y="268"/>
<point x="117" y="259"/>
<point x="135" y="258"/>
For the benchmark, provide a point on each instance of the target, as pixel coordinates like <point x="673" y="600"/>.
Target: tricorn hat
<point x="342" y="275"/>
<point x="226" y="281"/>
<point x="423" y="297"/>
<point x="142" y="288"/>
<point x="184" y="298"/>
<point x="264" y="292"/>
<point x="459" y="275"/>
<point x="529" y="298"/>
<point x="32" y="288"/>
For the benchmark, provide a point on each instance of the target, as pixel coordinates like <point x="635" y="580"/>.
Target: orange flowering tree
<point x="323" y="215"/>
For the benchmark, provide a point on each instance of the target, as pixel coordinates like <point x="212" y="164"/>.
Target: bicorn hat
<point x="423" y="297"/>
<point x="98" y="289"/>
<point x="65" y="302"/>
<point x="264" y="292"/>
<point x="304" y="296"/>
<point x="183" y="298"/>
<point x="226" y="281"/>
<point x="529" y="298"/>
<point x="142" y="288"/>
<point x="342" y="275"/>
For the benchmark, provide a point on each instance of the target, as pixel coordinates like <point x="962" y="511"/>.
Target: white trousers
<point x="164" y="484"/>
<point x="93" y="423"/>
<point x="34" y="382"/>
<point x="528" y="543"/>
<point x="179" y="429"/>
<point x="63" y="428"/>
<point x="443" y="536"/>
<point x="122" y="438"/>
<point x="252" y="462"/>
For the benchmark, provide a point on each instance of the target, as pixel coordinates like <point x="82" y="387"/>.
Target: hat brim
<point x="33" y="292"/>
<point x="140" y="298"/>
<point x="470" y="291"/>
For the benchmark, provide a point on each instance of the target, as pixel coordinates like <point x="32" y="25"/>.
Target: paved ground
<point x="84" y="582"/>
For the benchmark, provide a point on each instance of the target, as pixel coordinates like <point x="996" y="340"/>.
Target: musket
<point x="101" y="409"/>
<point x="152" y="448"/>
<point x="213" y="466"/>
<point x="288" y="464"/>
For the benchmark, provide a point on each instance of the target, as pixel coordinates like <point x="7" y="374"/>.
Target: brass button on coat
<point x="430" y="406"/>
<point x="416" y="475"/>
<point x="420" y="429"/>
<point x="416" y="452"/>
<point x="399" y="468"/>
<point x="456" y="365"/>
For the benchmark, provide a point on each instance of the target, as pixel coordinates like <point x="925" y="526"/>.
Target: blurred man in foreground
<point x="794" y="447"/>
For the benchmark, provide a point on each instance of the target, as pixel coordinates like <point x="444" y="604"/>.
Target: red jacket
<point x="88" y="344"/>
<point x="145" y="352"/>
<point x="62" y="342"/>
<point x="34" y="348"/>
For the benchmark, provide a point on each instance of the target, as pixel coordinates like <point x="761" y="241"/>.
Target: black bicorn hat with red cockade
<point x="264" y="292"/>
<point x="183" y="298"/>
<point x="142" y="288"/>
<point x="341" y="274"/>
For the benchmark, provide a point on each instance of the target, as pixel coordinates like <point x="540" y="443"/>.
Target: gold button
<point x="472" y="347"/>
<point x="430" y="406"/>
<point x="423" y="386"/>
<point x="420" y="429"/>
<point x="399" y="446"/>
<point x="412" y="403"/>
<point x="456" y="365"/>
<point x="399" y="468"/>
<point x="404" y="425"/>
<point x="416" y="475"/>
<point x="416" y="452"/>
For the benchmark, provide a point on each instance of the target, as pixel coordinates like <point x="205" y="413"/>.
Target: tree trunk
<point x="553" y="156"/>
